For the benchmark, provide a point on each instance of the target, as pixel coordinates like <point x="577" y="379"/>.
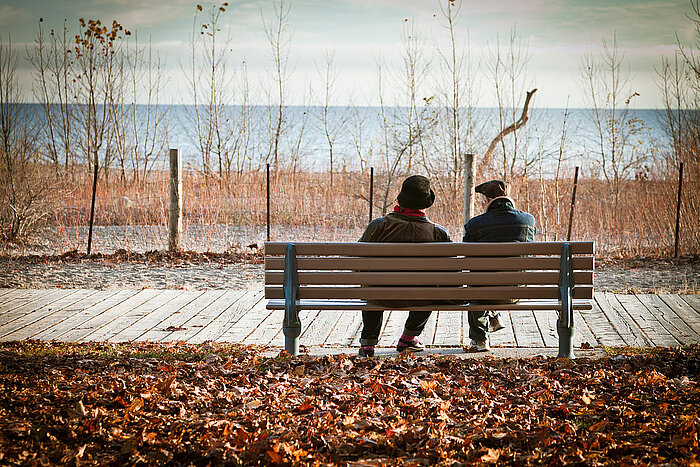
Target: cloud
<point x="11" y="15"/>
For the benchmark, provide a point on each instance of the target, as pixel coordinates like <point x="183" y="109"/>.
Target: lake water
<point x="358" y="131"/>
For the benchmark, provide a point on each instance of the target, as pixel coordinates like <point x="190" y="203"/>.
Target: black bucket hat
<point x="493" y="189"/>
<point x="416" y="193"/>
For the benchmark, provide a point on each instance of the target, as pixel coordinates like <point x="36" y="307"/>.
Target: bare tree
<point x="363" y="149"/>
<point x="22" y="188"/>
<point x="149" y="121"/>
<point x="507" y="71"/>
<point x="679" y="81"/>
<point x="96" y="51"/>
<point x="607" y="87"/>
<point x="332" y="124"/>
<point x="457" y="102"/>
<point x="54" y="90"/>
<point x="409" y="76"/>
<point x="242" y="133"/>
<point x="210" y="86"/>
<point x="405" y="125"/>
<point x="279" y="38"/>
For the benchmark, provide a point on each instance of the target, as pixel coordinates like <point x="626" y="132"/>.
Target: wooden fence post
<point x="573" y="201"/>
<point x="678" y="209"/>
<point x="268" y="202"/>
<point x="175" y="200"/>
<point x="468" y="208"/>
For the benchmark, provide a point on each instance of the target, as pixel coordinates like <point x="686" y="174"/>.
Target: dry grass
<point x="305" y="206"/>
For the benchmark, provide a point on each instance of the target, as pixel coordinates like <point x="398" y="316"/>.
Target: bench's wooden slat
<point x="433" y="278"/>
<point x="362" y="305"/>
<point x="429" y="249"/>
<point x="436" y="264"/>
<point x="428" y="293"/>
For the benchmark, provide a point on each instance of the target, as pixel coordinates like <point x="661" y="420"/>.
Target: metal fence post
<point x="573" y="201"/>
<point x="268" y="203"/>
<point x="678" y="209"/>
<point x="371" y="192"/>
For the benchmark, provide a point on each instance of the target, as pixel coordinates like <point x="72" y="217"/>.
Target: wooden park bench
<point x="345" y="276"/>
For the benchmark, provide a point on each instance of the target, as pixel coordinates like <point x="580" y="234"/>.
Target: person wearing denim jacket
<point x="500" y="222"/>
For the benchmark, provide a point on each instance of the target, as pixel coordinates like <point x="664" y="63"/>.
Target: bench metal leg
<point x="565" y="325"/>
<point x="291" y="326"/>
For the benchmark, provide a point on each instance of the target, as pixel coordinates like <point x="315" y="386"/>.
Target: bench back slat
<point x="429" y="249"/>
<point x="436" y="264"/>
<point x="413" y="278"/>
<point x="429" y="293"/>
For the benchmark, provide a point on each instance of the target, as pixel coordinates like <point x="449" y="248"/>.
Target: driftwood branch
<point x="508" y="130"/>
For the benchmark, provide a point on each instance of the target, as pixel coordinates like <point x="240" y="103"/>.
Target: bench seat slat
<point x="429" y="249"/>
<point x="362" y="305"/>
<point x="433" y="278"/>
<point x="436" y="264"/>
<point x="428" y="293"/>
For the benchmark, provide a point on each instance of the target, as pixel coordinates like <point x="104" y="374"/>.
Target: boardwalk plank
<point x="251" y="318"/>
<point x="11" y="300"/>
<point x="28" y="314"/>
<point x="59" y="315"/>
<point x="278" y="339"/>
<point x="204" y="316"/>
<point x="604" y="331"/>
<point x="582" y="333"/>
<point x="622" y="322"/>
<point x="681" y="307"/>
<point x="345" y="329"/>
<point x="109" y="331"/>
<point x="428" y="334"/>
<point x="176" y="321"/>
<point x="503" y="338"/>
<point x="7" y="294"/>
<point x="466" y="341"/>
<point x="693" y="301"/>
<point x="547" y="324"/>
<point x="75" y="321"/>
<point x="646" y="320"/>
<point x="150" y="320"/>
<point x="316" y="331"/>
<point x="448" y="331"/>
<point x="673" y="323"/>
<point x="267" y="329"/>
<point x="105" y="317"/>
<point x="393" y="327"/>
<point x="527" y="334"/>
<point x="230" y="316"/>
<point x="29" y="301"/>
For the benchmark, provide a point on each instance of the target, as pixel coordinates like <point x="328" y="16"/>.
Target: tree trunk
<point x="486" y="160"/>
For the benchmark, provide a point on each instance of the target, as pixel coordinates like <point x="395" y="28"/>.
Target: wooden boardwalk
<point x="237" y="316"/>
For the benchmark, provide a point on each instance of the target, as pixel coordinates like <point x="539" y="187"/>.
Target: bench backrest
<point x="411" y="271"/>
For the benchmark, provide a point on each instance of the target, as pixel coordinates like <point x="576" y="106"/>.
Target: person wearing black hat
<point x="500" y="222"/>
<point x="407" y="223"/>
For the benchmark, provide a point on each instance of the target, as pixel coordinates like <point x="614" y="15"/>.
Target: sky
<point x="555" y="34"/>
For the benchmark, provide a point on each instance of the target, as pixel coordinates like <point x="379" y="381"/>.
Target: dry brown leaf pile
<point x="219" y="405"/>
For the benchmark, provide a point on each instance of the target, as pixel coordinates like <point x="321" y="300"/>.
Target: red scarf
<point x="409" y="212"/>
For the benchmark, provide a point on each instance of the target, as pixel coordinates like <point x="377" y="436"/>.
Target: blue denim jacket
<point x="501" y="223"/>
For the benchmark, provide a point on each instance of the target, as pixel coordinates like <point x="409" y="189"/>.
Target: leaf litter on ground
<point x="216" y="404"/>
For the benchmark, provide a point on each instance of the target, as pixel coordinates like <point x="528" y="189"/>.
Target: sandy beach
<point x="233" y="261"/>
